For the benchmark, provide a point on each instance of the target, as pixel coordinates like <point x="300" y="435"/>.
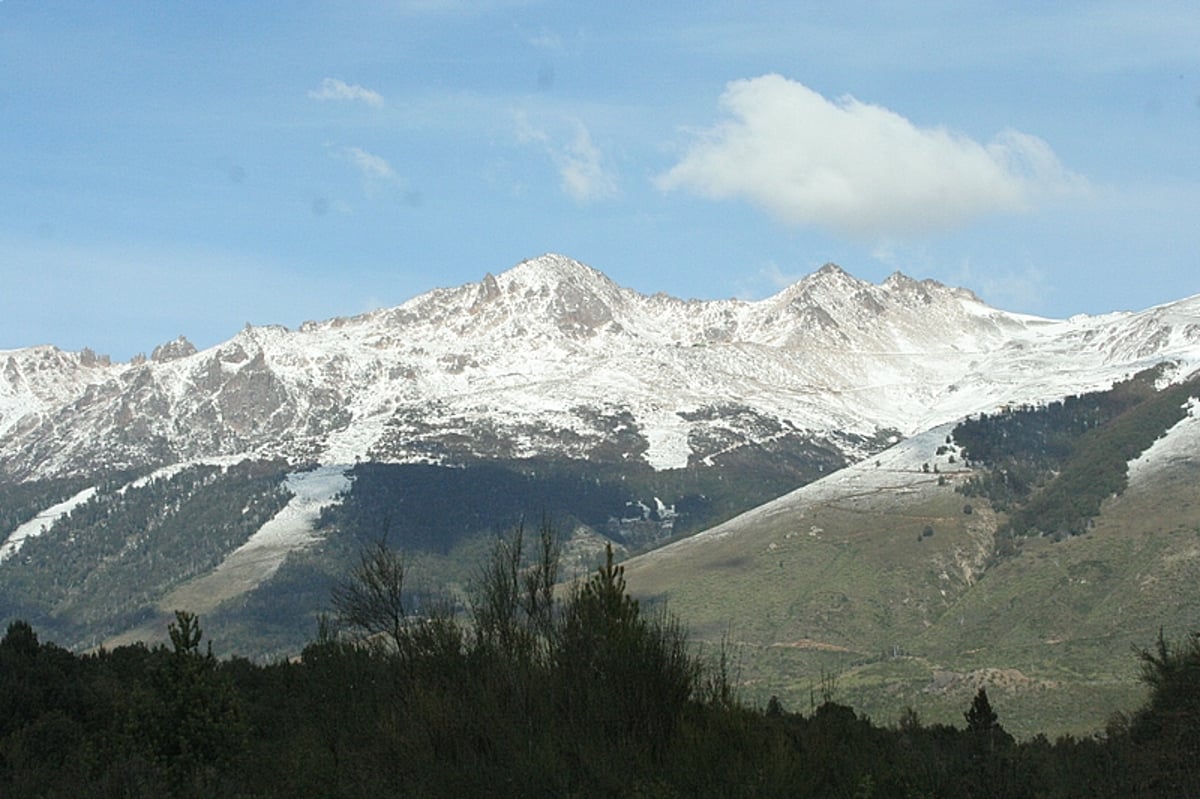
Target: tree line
<point x="528" y="689"/>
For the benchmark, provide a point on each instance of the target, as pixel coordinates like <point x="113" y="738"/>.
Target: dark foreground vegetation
<point x="523" y="693"/>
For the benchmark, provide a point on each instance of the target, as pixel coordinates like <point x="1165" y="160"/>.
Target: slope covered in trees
<point x="529" y="694"/>
<point x="105" y="564"/>
<point x="1050" y="467"/>
<point x="425" y="507"/>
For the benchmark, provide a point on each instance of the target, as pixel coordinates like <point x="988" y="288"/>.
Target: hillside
<point x="911" y="594"/>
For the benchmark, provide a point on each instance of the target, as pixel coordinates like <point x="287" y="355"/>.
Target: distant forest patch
<point x="1051" y="466"/>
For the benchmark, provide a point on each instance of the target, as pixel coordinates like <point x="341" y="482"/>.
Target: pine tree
<point x="981" y="718"/>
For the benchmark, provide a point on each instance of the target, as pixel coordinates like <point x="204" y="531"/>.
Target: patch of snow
<point x="1181" y="443"/>
<point x="666" y="433"/>
<point x="665" y="512"/>
<point x="898" y="468"/>
<point x="42" y="522"/>
<point x="167" y="472"/>
<point x="255" y="561"/>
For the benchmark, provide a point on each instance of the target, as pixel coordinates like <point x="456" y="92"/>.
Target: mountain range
<point x="552" y="357"/>
<point x="676" y="415"/>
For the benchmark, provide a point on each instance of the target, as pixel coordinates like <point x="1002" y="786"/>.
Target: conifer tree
<point x="980" y="717"/>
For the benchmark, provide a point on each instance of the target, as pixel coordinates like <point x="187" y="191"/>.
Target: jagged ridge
<point x="552" y="357"/>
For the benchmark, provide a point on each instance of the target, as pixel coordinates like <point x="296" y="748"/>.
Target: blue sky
<point x="170" y="168"/>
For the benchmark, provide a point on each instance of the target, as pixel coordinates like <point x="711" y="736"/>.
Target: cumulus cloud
<point x="583" y="174"/>
<point x="856" y="168"/>
<point x="334" y="89"/>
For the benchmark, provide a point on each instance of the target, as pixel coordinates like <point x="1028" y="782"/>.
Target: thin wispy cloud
<point x="380" y="179"/>
<point x="526" y="131"/>
<point x="859" y="169"/>
<point x="334" y="89"/>
<point x="546" y="41"/>
<point x="581" y="167"/>
<point x="583" y="173"/>
<point x="370" y="165"/>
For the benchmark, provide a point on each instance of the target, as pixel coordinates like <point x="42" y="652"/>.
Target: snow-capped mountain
<point x="558" y="391"/>
<point x="553" y="358"/>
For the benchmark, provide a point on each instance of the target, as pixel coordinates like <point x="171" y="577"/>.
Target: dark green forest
<point x="99" y="569"/>
<point x="1050" y="467"/>
<point x="102" y="569"/>
<point x="532" y="690"/>
<point x="433" y="507"/>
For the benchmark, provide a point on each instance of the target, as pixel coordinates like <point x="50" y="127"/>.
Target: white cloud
<point x="581" y="167"/>
<point x="859" y="169"/>
<point x="372" y="166"/>
<point x="334" y="89"/>
<point x="527" y="133"/>
<point x="583" y="174"/>
<point x="379" y="179"/>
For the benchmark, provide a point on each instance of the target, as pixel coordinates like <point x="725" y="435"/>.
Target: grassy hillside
<point x="882" y="589"/>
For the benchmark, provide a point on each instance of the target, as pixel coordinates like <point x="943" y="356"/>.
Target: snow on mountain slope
<point x="36" y="379"/>
<point x="898" y="470"/>
<point x="256" y="560"/>
<point x="914" y="469"/>
<point x="551" y="357"/>
<point x="1181" y="444"/>
<point x="42" y="522"/>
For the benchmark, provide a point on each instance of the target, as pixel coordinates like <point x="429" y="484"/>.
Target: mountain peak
<point x="173" y="350"/>
<point x="551" y="270"/>
<point x="832" y="275"/>
<point x="898" y="279"/>
<point x="555" y="335"/>
<point x="825" y="285"/>
<point x="898" y="282"/>
<point x="570" y="295"/>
